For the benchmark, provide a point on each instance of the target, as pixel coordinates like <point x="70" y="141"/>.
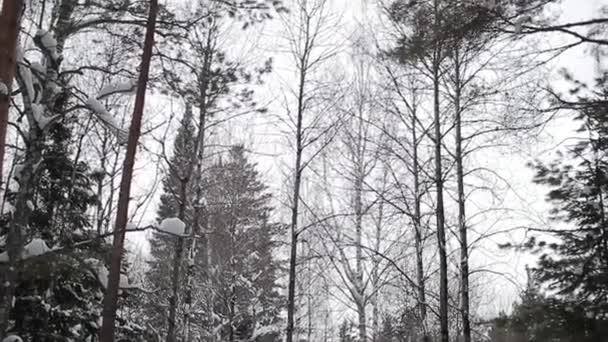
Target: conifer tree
<point x="163" y="246"/>
<point x="242" y="268"/>
<point x="576" y="266"/>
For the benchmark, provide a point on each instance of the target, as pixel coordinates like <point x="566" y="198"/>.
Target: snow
<point x="36" y="247"/>
<point x="104" y="116"/>
<point x="48" y="42"/>
<point x="520" y="22"/>
<point x="124" y="282"/>
<point x="36" y="66"/>
<point x="96" y="106"/>
<point x="47" y="39"/>
<point x="110" y="89"/>
<point x="3" y="88"/>
<point x="173" y="225"/>
<point x="102" y="275"/>
<point x="26" y="76"/>
<point x="98" y="170"/>
<point x="13" y="338"/>
<point x="264" y="330"/>
<point x="41" y="120"/>
<point x="13" y="186"/>
<point x="490" y="4"/>
<point x="8" y="208"/>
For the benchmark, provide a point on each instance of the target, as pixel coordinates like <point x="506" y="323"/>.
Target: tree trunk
<point x="376" y="265"/>
<point x="10" y="22"/>
<point x="464" y="248"/>
<point x="200" y="220"/>
<point x="177" y="265"/>
<point x="111" y="296"/>
<point x="439" y="211"/>
<point x="417" y="227"/>
<point x="294" y="209"/>
<point x="359" y="236"/>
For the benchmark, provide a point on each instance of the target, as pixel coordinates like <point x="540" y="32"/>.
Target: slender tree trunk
<point x="439" y="211"/>
<point x="177" y="265"/>
<point x="111" y="296"/>
<point x="417" y="227"/>
<point x="200" y="219"/>
<point x="294" y="209"/>
<point x="464" y="248"/>
<point x="376" y="265"/>
<point x="10" y="22"/>
<point x="362" y="326"/>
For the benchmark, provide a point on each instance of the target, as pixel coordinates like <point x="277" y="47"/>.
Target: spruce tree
<point x="163" y="246"/>
<point x="576" y="265"/>
<point x="242" y="268"/>
<point x="59" y="295"/>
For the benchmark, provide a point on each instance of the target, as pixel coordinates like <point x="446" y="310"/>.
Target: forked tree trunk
<point x="111" y="296"/>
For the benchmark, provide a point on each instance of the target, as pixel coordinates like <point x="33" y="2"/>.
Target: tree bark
<point x="177" y="264"/>
<point x="464" y="248"/>
<point x="439" y="211"/>
<point x="111" y="296"/>
<point x="294" y="209"/>
<point x="418" y="243"/>
<point x="359" y="175"/>
<point x="10" y="22"/>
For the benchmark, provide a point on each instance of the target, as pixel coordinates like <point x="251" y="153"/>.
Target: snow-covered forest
<point x="303" y="170"/>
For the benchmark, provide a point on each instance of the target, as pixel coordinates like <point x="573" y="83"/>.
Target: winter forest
<point x="303" y="170"/>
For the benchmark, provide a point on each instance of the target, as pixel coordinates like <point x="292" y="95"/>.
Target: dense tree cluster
<point x="374" y="209"/>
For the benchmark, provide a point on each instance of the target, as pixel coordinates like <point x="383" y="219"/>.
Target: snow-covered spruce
<point x="173" y="225"/>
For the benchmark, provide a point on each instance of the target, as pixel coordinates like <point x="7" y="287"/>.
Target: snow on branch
<point x="107" y="119"/>
<point x="118" y="88"/>
<point x="36" y="247"/>
<point x="48" y="43"/>
<point x="173" y="226"/>
<point x="41" y="120"/>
